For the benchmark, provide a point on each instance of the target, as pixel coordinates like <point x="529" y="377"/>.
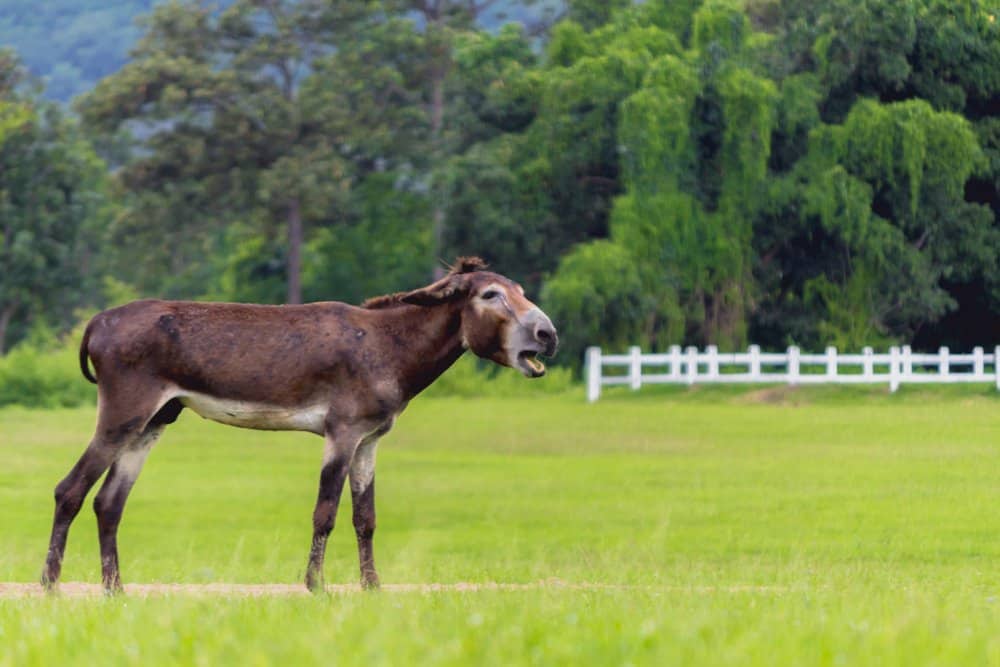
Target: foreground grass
<point x="857" y="625"/>
<point x="747" y="528"/>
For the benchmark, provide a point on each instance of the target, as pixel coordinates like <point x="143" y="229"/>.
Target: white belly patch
<point x="257" y="415"/>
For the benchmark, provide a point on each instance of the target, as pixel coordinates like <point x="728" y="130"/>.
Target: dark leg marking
<point x="115" y="435"/>
<point x="364" y="528"/>
<point x="69" y="496"/>
<point x="122" y="415"/>
<point x="363" y="501"/>
<point x="331" y="484"/>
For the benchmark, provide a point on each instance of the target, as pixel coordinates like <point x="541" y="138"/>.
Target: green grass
<point x="821" y="526"/>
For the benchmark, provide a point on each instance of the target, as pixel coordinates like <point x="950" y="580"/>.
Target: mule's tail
<point x="84" y="356"/>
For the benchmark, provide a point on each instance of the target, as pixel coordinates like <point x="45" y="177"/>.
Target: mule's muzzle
<point x="543" y="341"/>
<point x="548" y="339"/>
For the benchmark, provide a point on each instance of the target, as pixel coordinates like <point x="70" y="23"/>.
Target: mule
<point x="336" y="370"/>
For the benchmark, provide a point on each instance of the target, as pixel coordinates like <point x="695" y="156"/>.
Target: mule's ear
<point x="446" y="289"/>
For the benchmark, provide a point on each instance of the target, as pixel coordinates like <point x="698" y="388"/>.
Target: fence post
<point x="692" y="364"/>
<point x="793" y="365"/>
<point x="978" y="363"/>
<point x="996" y="364"/>
<point x="893" y="369"/>
<point x="713" y="361"/>
<point x="593" y="364"/>
<point x="675" y="362"/>
<point x="868" y="365"/>
<point x="944" y="364"/>
<point x="907" y="362"/>
<point x="831" y="362"/>
<point x="635" y="367"/>
<point x="755" y="362"/>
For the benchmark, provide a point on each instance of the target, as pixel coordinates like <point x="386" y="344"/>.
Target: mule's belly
<point x="257" y="415"/>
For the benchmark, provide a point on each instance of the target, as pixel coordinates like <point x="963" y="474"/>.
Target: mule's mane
<point x="461" y="265"/>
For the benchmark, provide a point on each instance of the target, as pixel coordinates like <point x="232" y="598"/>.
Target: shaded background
<point x="719" y="172"/>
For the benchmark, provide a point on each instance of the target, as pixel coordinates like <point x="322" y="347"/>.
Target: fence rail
<point x="899" y="365"/>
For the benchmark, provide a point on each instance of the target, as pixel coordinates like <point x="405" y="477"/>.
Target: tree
<point x="841" y="53"/>
<point x="224" y="132"/>
<point x="448" y="25"/>
<point x="51" y="199"/>
<point x="523" y="197"/>
<point x="890" y="183"/>
<point x="692" y="138"/>
<point x="14" y="113"/>
<point x="740" y="213"/>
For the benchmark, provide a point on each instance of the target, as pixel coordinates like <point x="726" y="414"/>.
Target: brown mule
<point x="329" y="368"/>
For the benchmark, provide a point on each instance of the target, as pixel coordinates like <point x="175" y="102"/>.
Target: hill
<point x="71" y="44"/>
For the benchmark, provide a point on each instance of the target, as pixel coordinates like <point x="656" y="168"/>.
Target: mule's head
<point x="498" y="322"/>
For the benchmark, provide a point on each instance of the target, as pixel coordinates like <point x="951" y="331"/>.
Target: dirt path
<point x="74" y="589"/>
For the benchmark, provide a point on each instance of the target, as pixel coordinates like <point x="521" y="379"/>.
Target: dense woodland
<point x="817" y="172"/>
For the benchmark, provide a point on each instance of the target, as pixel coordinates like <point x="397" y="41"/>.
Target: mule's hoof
<point x="51" y="586"/>
<point x="315" y="584"/>
<point x="370" y="582"/>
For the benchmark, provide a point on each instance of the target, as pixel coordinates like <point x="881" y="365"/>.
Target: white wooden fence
<point x="689" y="366"/>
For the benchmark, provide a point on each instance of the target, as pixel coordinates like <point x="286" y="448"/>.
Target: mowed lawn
<point x="729" y="527"/>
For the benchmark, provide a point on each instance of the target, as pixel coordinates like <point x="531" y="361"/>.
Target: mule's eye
<point x="490" y="294"/>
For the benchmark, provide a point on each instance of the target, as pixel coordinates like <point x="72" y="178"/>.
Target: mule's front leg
<point x="340" y="444"/>
<point x="363" y="501"/>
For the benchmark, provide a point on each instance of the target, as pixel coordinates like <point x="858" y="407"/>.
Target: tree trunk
<point x="294" y="266"/>
<point x="5" y="316"/>
<point x="438" y="212"/>
<point x="438" y="219"/>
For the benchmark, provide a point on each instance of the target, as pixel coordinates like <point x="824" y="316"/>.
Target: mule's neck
<point x="430" y="338"/>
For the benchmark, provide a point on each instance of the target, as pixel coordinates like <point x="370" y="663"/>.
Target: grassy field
<point x="733" y="527"/>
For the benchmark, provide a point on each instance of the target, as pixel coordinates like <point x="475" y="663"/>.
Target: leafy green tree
<point x="692" y="137"/>
<point x="944" y="52"/>
<point x="14" y="112"/>
<point x="379" y="252"/>
<point x="590" y="14"/>
<point x="743" y="214"/>
<point x="281" y="111"/>
<point x="226" y="132"/>
<point x="597" y="295"/>
<point x="914" y="163"/>
<point x="523" y="198"/>
<point x="694" y="171"/>
<point x="52" y="198"/>
<point x="446" y="38"/>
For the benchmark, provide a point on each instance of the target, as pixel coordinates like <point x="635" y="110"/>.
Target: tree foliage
<point x="746" y="216"/>
<point x="662" y="172"/>
<point x="52" y="199"/>
<point x="230" y="134"/>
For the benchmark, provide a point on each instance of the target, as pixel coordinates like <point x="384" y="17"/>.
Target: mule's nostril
<point x="543" y="335"/>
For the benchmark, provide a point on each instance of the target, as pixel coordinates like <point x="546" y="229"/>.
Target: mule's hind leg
<point x="109" y="503"/>
<point x="122" y="417"/>
<point x="70" y="493"/>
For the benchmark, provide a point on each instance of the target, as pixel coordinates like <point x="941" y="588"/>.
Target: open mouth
<point x="528" y="360"/>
